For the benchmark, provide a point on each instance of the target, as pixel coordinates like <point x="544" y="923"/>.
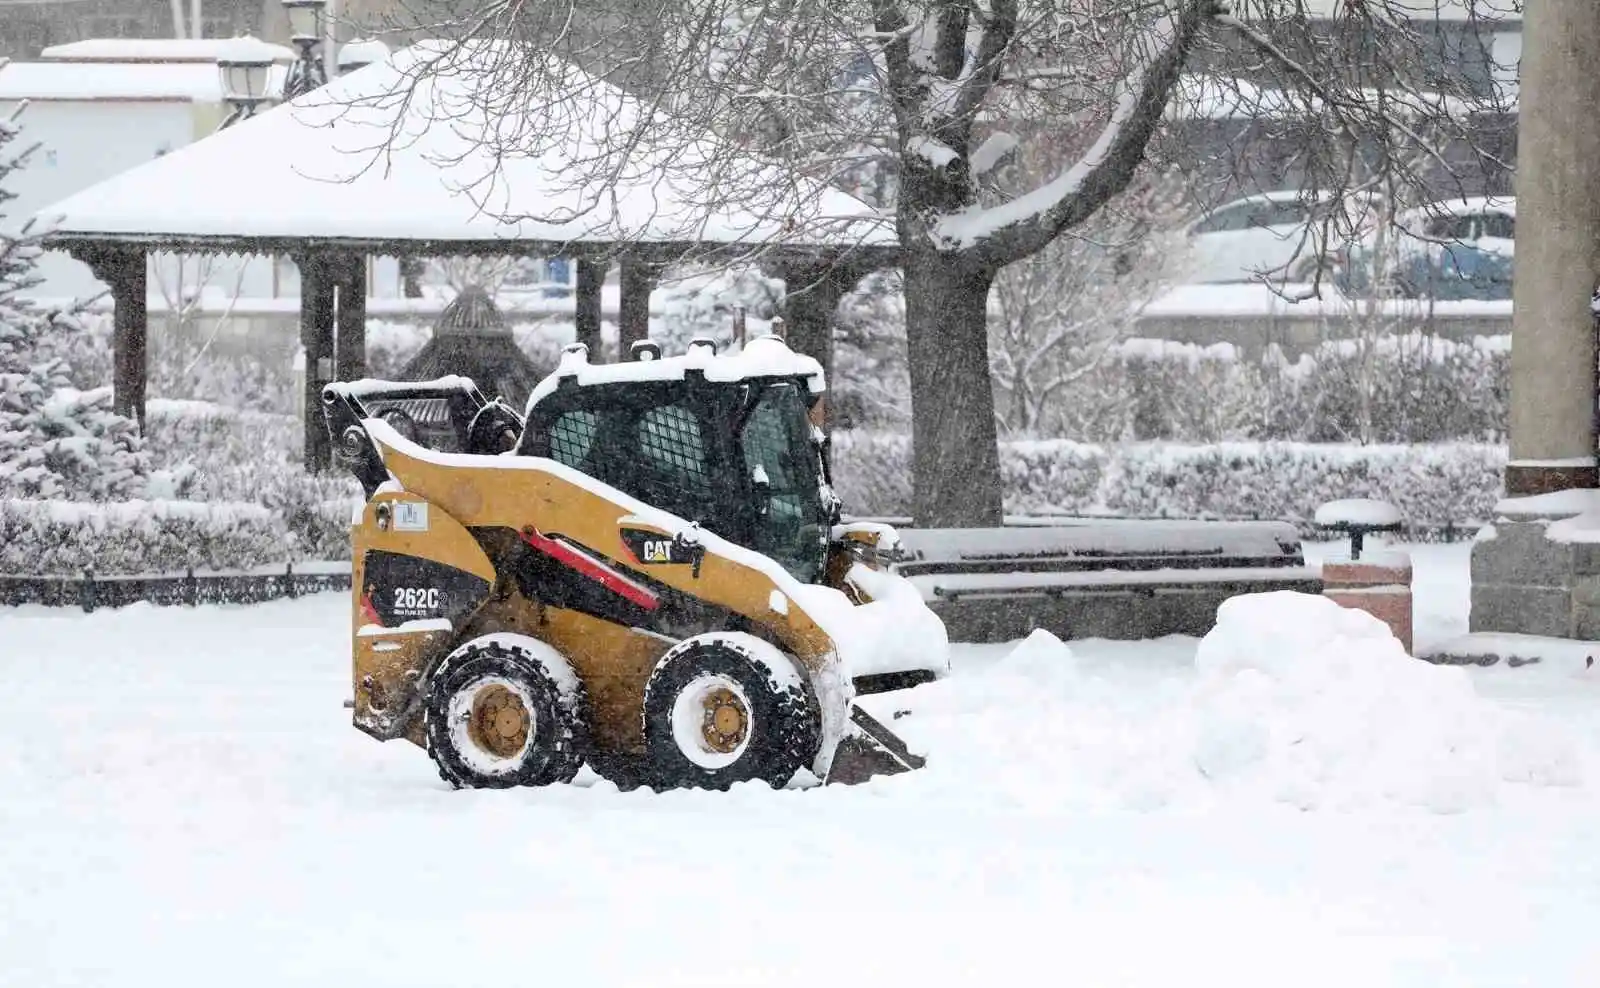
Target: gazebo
<point x="473" y="339"/>
<point x="409" y="158"/>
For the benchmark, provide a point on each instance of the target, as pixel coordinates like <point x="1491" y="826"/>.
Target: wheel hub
<point x="499" y="722"/>
<point x="725" y="722"/>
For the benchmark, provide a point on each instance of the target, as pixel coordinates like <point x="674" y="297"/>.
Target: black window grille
<point x="672" y="469"/>
<point x="571" y="436"/>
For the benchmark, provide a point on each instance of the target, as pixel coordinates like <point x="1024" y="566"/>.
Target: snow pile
<point x="1291" y="701"/>
<point x="1320" y="706"/>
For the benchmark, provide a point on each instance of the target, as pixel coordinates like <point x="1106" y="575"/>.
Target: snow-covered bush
<point x="1430" y="484"/>
<point x="225" y="455"/>
<point x="871" y="385"/>
<point x="65" y="537"/>
<point x="1403" y="388"/>
<point x="54" y="442"/>
<point x="184" y="368"/>
<point x="1445" y="484"/>
<point x="702" y="303"/>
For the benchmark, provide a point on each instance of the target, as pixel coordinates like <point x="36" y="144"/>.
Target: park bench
<point x="1098" y="577"/>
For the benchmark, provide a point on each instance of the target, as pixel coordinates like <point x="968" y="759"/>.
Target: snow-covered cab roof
<point x="762" y="357"/>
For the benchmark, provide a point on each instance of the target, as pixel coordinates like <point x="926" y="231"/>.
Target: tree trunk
<point x="955" y="453"/>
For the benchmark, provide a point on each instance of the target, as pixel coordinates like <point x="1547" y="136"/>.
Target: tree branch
<point x="1011" y="231"/>
<point x="998" y="30"/>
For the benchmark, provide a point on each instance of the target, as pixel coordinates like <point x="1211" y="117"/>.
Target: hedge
<point x="1433" y="485"/>
<point x="138" y="537"/>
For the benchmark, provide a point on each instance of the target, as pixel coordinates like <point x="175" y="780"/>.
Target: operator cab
<point x="727" y="442"/>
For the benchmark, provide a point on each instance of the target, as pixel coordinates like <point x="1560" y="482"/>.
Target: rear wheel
<point x="726" y="708"/>
<point x="503" y="711"/>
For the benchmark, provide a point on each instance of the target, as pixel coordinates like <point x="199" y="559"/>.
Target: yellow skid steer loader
<point x="644" y="571"/>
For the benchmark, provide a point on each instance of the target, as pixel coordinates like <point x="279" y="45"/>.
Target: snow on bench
<point x="1100" y="543"/>
<point x="953" y="586"/>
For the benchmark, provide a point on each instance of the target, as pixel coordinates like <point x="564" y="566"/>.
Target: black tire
<point x="782" y="727"/>
<point x="528" y="674"/>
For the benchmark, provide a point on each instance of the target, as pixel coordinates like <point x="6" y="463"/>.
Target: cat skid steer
<point x="644" y="572"/>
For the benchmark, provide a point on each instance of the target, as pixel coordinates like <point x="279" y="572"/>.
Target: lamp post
<point x="245" y="66"/>
<point x="305" y="31"/>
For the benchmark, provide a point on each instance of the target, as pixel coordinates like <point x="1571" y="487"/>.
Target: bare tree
<point x="921" y="95"/>
<point x="1059" y="314"/>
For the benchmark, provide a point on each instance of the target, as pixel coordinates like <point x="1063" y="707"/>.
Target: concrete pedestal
<point x="1379" y="584"/>
<point x="1525" y="582"/>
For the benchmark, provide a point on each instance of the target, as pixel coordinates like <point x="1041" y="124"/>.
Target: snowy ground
<point x="186" y="803"/>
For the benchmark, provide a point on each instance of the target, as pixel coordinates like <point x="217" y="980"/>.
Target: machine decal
<point x="411" y="516"/>
<point x="654" y="549"/>
<point x="401" y="588"/>
<point x="575" y="558"/>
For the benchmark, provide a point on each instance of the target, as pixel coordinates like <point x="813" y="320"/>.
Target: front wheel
<point x="505" y="710"/>
<point x="728" y="707"/>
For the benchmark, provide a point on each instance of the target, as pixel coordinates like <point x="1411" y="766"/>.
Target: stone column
<point x="586" y="306"/>
<point x="1524" y="581"/>
<point x="316" y="336"/>
<point x="637" y="280"/>
<point x="1558" y="251"/>
<point x="125" y="270"/>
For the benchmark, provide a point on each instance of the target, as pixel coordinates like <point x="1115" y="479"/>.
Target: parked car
<point x="1273" y="234"/>
<point x="1452" y="249"/>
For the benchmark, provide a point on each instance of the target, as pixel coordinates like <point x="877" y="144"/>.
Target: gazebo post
<point x="637" y="280"/>
<point x="350" y="341"/>
<point x="813" y="288"/>
<point x="586" y="305"/>
<point x="123" y="268"/>
<point x="316" y="337"/>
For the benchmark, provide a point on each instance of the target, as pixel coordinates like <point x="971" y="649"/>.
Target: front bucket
<point x="869" y="750"/>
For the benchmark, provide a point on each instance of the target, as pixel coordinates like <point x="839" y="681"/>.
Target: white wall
<point x="81" y="144"/>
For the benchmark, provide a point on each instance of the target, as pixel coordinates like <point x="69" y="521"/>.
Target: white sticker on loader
<point x="411" y="516"/>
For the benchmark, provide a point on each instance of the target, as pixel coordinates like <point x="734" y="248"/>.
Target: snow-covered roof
<point x="764" y="356"/>
<point x="397" y="151"/>
<point x="205" y="50"/>
<point x="153" y="81"/>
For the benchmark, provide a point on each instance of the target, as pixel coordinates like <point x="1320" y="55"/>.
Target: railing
<point x="89" y="591"/>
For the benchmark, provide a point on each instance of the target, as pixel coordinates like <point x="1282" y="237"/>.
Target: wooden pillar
<point x="316" y="336"/>
<point x="350" y="339"/>
<point x="638" y="280"/>
<point x="124" y="270"/>
<point x="812" y="292"/>
<point x="586" y="307"/>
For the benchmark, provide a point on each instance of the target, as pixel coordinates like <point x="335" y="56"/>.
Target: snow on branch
<point x="1016" y="229"/>
<point x="991" y="152"/>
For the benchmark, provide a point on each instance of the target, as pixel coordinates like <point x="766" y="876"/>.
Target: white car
<point x="1277" y="235"/>
<point x="1479" y="222"/>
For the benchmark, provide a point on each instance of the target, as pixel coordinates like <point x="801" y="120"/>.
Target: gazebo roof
<point x="433" y="151"/>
